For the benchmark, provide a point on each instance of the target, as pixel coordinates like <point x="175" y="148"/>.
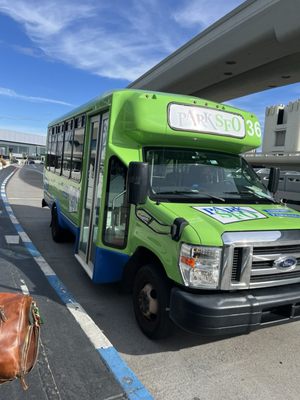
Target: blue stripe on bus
<point x="108" y="265"/>
<point x="59" y="214"/>
<point x="66" y="223"/>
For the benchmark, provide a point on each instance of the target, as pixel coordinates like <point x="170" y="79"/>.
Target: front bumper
<point x="233" y="313"/>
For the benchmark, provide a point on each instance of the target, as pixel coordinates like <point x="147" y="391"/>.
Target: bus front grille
<point x="263" y="269"/>
<point x="275" y="277"/>
<point x="257" y="263"/>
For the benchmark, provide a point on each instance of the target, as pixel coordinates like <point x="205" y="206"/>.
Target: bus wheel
<point x="57" y="232"/>
<point x="151" y="294"/>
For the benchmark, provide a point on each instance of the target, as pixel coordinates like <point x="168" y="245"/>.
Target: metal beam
<point x="253" y="48"/>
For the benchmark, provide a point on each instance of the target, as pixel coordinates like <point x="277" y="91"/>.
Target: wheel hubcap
<point x="148" y="301"/>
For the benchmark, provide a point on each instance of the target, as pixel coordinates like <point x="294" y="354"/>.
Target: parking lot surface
<point x="261" y="366"/>
<point x="68" y="366"/>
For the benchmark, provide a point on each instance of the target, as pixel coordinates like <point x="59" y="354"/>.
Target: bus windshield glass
<point x="188" y="175"/>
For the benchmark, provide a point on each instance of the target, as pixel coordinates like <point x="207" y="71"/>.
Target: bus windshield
<point x="195" y="175"/>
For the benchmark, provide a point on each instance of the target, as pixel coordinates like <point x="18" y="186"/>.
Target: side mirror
<point x="274" y="179"/>
<point x="137" y="182"/>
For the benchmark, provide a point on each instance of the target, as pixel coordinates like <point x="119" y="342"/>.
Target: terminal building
<point x="282" y="129"/>
<point x="281" y="148"/>
<point x="20" y="145"/>
<point x="281" y="141"/>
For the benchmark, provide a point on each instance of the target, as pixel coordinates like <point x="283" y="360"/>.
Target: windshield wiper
<point x="259" y="195"/>
<point x="213" y="196"/>
<point x="192" y="193"/>
<point x="249" y="191"/>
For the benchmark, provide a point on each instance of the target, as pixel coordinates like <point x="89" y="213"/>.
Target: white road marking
<point x="24" y="287"/>
<point x="92" y="331"/>
<point x="45" y="267"/>
<point x="13" y="219"/>
<point x="24" y="237"/>
<point x="12" y="239"/>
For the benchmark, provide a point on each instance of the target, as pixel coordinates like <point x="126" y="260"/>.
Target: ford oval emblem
<point x="288" y="262"/>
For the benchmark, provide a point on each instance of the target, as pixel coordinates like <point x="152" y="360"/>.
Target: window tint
<point x="65" y="148"/>
<point x="48" y="148"/>
<point x="280" y="138"/>
<point x="280" y="116"/>
<point x="52" y="150"/>
<point x="77" y="151"/>
<point x="59" y="152"/>
<point x="116" y="206"/>
<point x="67" y="152"/>
<point x="187" y="174"/>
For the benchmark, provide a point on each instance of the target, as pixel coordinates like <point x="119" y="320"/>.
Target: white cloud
<point x="42" y="18"/>
<point x="116" y="39"/>
<point x="204" y="12"/>
<point x="108" y="40"/>
<point x="11" y="93"/>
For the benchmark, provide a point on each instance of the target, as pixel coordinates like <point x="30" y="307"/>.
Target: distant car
<point x="31" y="162"/>
<point x="263" y="171"/>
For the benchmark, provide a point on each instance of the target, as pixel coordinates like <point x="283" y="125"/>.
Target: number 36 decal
<point x="253" y="128"/>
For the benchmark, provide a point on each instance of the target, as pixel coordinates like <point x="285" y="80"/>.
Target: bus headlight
<point x="200" y="266"/>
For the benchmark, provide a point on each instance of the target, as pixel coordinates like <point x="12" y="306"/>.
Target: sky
<point x="58" y="54"/>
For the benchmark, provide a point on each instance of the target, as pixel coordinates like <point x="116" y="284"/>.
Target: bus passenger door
<point x="93" y="189"/>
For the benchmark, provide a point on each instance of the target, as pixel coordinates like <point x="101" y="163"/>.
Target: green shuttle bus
<point x="158" y="196"/>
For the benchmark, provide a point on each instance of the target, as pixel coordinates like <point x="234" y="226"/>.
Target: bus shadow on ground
<point x="32" y="175"/>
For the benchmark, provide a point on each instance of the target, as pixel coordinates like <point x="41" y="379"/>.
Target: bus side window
<point x="48" y="149"/>
<point x="52" y="155"/>
<point x="59" y="151"/>
<point x="77" y="150"/>
<point x="116" y="206"/>
<point x="67" y="151"/>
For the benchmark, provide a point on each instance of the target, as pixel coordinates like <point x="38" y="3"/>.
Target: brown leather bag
<point x="19" y="336"/>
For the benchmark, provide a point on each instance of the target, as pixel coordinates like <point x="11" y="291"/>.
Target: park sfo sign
<point x="207" y="120"/>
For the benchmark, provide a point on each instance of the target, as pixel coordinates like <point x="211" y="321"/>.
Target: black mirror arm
<point x="177" y="228"/>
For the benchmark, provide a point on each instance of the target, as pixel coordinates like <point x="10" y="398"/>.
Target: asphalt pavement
<point x="68" y="366"/>
<point x="263" y="365"/>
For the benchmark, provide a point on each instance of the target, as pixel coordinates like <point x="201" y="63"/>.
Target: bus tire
<point x="151" y="296"/>
<point x="57" y="232"/>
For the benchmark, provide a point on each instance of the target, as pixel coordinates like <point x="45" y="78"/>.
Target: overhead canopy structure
<point x="253" y="48"/>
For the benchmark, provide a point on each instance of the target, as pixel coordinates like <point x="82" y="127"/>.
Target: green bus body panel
<point x="62" y="189"/>
<point x="211" y="230"/>
<point x="139" y="119"/>
<point x="94" y="105"/>
<point x="142" y="118"/>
